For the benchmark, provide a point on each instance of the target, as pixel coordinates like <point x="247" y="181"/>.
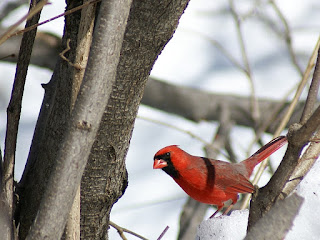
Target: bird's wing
<point x="230" y="179"/>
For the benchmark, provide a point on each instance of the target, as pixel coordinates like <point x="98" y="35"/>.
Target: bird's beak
<point x="159" y="163"/>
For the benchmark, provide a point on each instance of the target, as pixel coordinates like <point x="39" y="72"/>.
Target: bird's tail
<point x="264" y="152"/>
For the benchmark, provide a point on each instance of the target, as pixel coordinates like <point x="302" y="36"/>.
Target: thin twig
<point x="254" y="102"/>
<point x="220" y="47"/>
<point x="311" y="154"/>
<point x="14" y="107"/>
<point x="312" y="97"/>
<point x="287" y="36"/>
<point x="181" y="130"/>
<point x="54" y="18"/>
<point x="174" y="127"/>
<point x="122" y="230"/>
<point x="304" y="81"/>
<point x="75" y="65"/>
<point x="163" y="233"/>
<point x="265" y="125"/>
<point x="287" y="115"/>
<point x="267" y="196"/>
<point x="29" y="15"/>
<point x="8" y="56"/>
<point x="274" y="111"/>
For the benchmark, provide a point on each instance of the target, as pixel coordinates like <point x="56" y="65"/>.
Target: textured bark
<point x="298" y="137"/>
<point x="50" y="129"/>
<point x="13" y="118"/>
<point x="83" y="126"/>
<point x="150" y="26"/>
<point x="276" y="223"/>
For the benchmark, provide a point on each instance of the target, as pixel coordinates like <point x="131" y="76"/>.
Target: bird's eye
<point x="166" y="156"/>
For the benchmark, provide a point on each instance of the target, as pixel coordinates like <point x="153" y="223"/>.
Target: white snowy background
<point x="152" y="200"/>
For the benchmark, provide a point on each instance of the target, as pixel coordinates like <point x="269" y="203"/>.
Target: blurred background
<point x="256" y="49"/>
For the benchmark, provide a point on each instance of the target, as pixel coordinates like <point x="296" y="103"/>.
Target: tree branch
<point x="276" y="223"/>
<point x="81" y="131"/>
<point x="9" y="6"/>
<point x="145" y="38"/>
<point x="121" y="230"/>
<point x="84" y="39"/>
<point x="197" y="105"/>
<point x="254" y="104"/>
<point x="293" y="166"/>
<point x="312" y="97"/>
<point x="298" y="137"/>
<point x="13" y="115"/>
<point x="287" y="37"/>
<point x="309" y="156"/>
<point x="190" y="103"/>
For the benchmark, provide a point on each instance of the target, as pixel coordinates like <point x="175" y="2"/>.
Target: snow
<point x="305" y="225"/>
<point x="224" y="227"/>
<point x="152" y="200"/>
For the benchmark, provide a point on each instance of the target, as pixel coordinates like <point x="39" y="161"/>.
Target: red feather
<point x="212" y="181"/>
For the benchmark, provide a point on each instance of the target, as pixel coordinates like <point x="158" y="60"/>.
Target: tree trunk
<point x="150" y="27"/>
<point x="50" y="129"/>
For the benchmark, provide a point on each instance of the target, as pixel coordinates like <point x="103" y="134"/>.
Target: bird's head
<point x="168" y="159"/>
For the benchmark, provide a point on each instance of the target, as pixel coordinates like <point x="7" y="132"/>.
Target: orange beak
<point x="159" y="163"/>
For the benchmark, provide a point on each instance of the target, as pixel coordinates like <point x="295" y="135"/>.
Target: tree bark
<point x="298" y="136"/>
<point x="82" y="128"/>
<point x="276" y="223"/>
<point x="50" y="128"/>
<point x="150" y="27"/>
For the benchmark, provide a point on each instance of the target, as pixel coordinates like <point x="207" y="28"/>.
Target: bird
<point x="212" y="181"/>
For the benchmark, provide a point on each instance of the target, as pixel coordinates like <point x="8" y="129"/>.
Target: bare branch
<point x="176" y="128"/>
<point x="81" y="130"/>
<point x="287" y="37"/>
<point x="310" y="155"/>
<point x="298" y="137"/>
<point x="312" y="97"/>
<point x="254" y="103"/>
<point x="85" y="4"/>
<point x="292" y="166"/>
<point x="14" y="108"/>
<point x="190" y="103"/>
<point x="197" y="105"/>
<point x="163" y="233"/>
<point x="289" y="113"/>
<point x="84" y="39"/>
<point x="9" y="6"/>
<point x="221" y="48"/>
<point x="276" y="223"/>
<point x="32" y="12"/>
<point x="121" y="230"/>
<point x="302" y="84"/>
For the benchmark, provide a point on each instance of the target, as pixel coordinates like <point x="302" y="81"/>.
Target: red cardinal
<point x="212" y="181"/>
